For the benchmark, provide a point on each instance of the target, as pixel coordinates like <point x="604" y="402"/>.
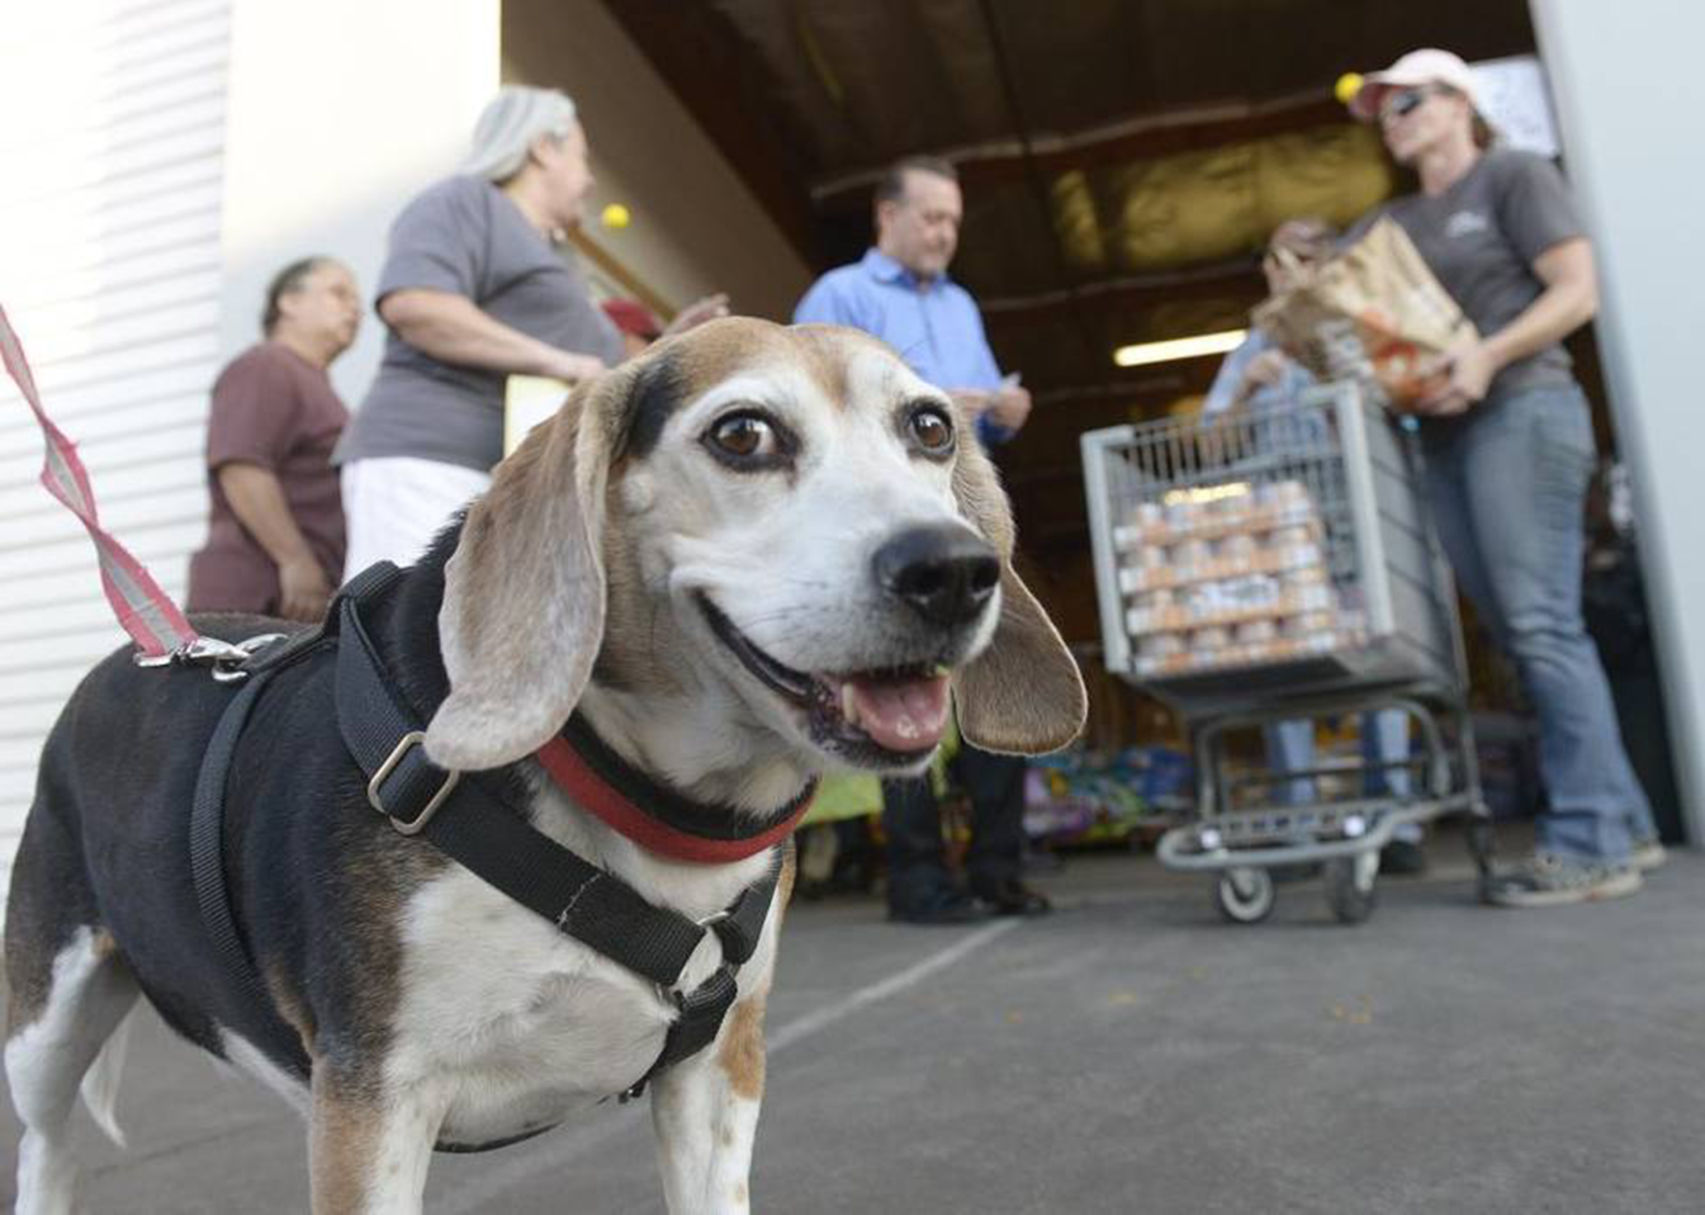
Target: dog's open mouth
<point x="901" y="711"/>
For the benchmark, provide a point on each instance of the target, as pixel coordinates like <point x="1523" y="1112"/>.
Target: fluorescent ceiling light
<point x="1179" y="348"/>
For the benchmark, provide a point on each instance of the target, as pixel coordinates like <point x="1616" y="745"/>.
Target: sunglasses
<point x="1406" y="102"/>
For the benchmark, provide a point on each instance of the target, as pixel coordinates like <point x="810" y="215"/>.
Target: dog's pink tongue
<point x="902" y="715"/>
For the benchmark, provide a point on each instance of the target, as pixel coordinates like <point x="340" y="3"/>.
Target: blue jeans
<point x="1507" y="487"/>
<point x="1385" y="739"/>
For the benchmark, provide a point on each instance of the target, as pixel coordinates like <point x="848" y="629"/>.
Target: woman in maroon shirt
<point x="275" y="541"/>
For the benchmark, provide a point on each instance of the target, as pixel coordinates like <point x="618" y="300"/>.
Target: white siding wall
<point x="110" y="272"/>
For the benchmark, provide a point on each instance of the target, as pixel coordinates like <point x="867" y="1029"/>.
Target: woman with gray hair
<point x="476" y="287"/>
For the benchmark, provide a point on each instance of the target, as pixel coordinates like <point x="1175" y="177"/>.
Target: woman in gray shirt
<point x="476" y="286"/>
<point x="1509" y="448"/>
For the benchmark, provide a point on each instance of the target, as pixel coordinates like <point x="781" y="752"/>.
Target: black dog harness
<point x="462" y="815"/>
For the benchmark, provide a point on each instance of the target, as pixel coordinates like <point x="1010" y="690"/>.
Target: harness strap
<point x="207" y="860"/>
<point x="468" y="821"/>
<point x="463" y="819"/>
<point x="207" y="830"/>
<point x="701" y="1011"/>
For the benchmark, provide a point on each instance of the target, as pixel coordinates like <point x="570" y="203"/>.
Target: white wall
<point x="338" y="112"/>
<point x="109" y="270"/>
<point x="696" y="227"/>
<point x="1629" y="95"/>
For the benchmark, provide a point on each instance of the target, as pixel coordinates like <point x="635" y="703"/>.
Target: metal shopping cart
<point x="1277" y="566"/>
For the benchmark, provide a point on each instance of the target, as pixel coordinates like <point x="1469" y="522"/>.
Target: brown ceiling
<point x="1095" y="140"/>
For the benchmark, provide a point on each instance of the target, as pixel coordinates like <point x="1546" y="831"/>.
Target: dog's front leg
<point x="368" y="1150"/>
<point x="705" y="1111"/>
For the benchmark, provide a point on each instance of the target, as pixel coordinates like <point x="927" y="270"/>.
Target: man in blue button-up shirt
<point x="899" y="291"/>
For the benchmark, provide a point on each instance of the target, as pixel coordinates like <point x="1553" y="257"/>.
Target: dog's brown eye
<point x="744" y="436"/>
<point x="932" y="430"/>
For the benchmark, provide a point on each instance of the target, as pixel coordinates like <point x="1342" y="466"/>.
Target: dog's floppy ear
<point x="523" y="613"/>
<point x="1023" y="695"/>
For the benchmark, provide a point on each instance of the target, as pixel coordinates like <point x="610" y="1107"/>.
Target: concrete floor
<point x="1129" y="1053"/>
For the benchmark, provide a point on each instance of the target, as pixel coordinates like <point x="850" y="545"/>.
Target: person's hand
<point x="710" y="308"/>
<point x="303" y="590"/>
<point x="566" y="365"/>
<point x="1265" y="370"/>
<point x="1468" y="375"/>
<point x="1009" y="406"/>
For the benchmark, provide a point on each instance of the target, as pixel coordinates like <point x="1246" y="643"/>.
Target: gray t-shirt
<point x="464" y="235"/>
<point x="1480" y="239"/>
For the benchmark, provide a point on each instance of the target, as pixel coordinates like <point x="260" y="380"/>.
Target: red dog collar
<point x="656" y="818"/>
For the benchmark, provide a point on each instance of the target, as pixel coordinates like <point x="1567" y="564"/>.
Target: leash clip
<point x="225" y="659"/>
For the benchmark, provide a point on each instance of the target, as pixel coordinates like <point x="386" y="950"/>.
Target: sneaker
<point x="1648" y="854"/>
<point x="1547" y="880"/>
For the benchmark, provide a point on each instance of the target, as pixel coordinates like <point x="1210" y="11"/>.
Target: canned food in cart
<point x="1274" y="566"/>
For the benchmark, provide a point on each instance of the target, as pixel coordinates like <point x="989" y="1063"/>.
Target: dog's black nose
<point x="944" y="572"/>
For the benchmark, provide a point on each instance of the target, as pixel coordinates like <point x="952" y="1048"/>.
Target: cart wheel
<point x="1244" y="896"/>
<point x="1350" y="886"/>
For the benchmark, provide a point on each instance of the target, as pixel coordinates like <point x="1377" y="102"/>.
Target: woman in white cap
<point x="1510" y="450"/>
<point x="476" y="286"/>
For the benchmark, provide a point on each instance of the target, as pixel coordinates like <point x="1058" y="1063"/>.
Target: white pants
<point x="393" y="507"/>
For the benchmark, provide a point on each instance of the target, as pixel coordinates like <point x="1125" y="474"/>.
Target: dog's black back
<point x="315" y="875"/>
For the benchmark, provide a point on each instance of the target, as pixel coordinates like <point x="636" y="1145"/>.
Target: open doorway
<point x="1122" y="166"/>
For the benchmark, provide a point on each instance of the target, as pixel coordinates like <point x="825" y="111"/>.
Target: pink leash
<point x="146" y="612"/>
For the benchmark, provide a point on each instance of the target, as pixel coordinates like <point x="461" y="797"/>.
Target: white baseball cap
<point x="1428" y="66"/>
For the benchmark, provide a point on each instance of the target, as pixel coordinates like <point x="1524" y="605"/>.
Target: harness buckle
<point x="414" y="826"/>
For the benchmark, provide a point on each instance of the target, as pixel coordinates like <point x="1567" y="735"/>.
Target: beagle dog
<point x="752" y="555"/>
